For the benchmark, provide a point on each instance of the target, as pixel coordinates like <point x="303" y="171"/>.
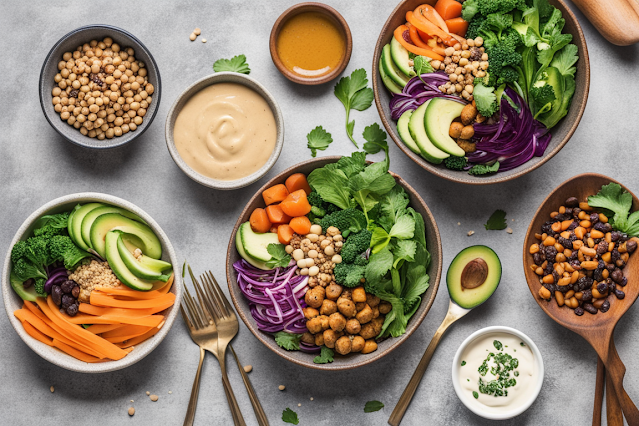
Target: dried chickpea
<point x="352" y="326"/>
<point x="357" y="344"/>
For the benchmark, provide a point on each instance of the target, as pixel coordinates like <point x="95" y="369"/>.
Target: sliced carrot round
<point x="296" y="182"/>
<point x="276" y="214"/>
<point x="275" y="194"/>
<point x="296" y="204"/>
<point x="301" y="225"/>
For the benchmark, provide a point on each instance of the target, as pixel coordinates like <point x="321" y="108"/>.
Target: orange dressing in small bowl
<point x="310" y="44"/>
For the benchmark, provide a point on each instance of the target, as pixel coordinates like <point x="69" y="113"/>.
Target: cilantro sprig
<point x="279" y="257"/>
<point x="288" y="341"/>
<point x="372" y="406"/>
<point x="613" y="198"/>
<point x="496" y="221"/>
<point x="354" y="93"/>
<point x="325" y="356"/>
<point x="376" y="141"/>
<point x="318" y="140"/>
<point x="236" y="64"/>
<point x="290" y="416"/>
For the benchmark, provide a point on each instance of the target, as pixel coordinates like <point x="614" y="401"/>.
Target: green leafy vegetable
<point x="483" y="169"/>
<point x="325" y="356"/>
<point x="376" y="140"/>
<point x="615" y="199"/>
<point x="279" y="257"/>
<point x="62" y="249"/>
<point x="288" y="341"/>
<point x="354" y="93"/>
<point x="421" y="65"/>
<point x="565" y="60"/>
<point x="290" y="416"/>
<point x="496" y="221"/>
<point x="318" y="140"/>
<point x="485" y="99"/>
<point x="372" y="406"/>
<point x="455" y="163"/>
<point x="236" y="64"/>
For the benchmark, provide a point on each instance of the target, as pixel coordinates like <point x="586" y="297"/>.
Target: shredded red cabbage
<point x="56" y="276"/>
<point x="514" y="139"/>
<point x="416" y="92"/>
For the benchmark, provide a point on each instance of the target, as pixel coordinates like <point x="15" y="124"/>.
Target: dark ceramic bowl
<point x="69" y="43"/>
<point x="433" y="241"/>
<point x="561" y="133"/>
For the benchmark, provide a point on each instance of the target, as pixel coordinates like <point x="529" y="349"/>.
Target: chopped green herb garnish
<point x="516" y="373"/>
<point x="496" y="221"/>
<point x="318" y="139"/>
<point x="325" y="356"/>
<point x="475" y="394"/>
<point x="290" y="416"/>
<point x="288" y="341"/>
<point x="497" y="344"/>
<point x="522" y="343"/>
<point x="236" y="64"/>
<point x="503" y="365"/>
<point x="279" y="257"/>
<point x="372" y="406"/>
<point x="463" y="363"/>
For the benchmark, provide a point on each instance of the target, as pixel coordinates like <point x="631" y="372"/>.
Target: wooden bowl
<point x="561" y="133"/>
<point x="331" y="14"/>
<point x="433" y="242"/>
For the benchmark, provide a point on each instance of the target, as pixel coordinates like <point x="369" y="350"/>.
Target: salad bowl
<point x="13" y="302"/>
<point x="561" y="133"/>
<point x="433" y="242"/>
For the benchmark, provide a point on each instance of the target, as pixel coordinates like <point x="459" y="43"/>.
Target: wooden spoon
<point x="596" y="329"/>
<point x="616" y="20"/>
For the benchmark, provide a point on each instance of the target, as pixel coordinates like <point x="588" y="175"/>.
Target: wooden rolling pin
<point x="616" y="20"/>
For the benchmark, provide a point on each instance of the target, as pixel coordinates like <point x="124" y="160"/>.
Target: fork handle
<point x="262" y="420"/>
<point x="238" y="419"/>
<point x="195" y="391"/>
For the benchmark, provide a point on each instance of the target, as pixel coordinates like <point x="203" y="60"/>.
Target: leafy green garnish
<point x="354" y="94"/>
<point x="498" y="345"/>
<point x="288" y="341"/>
<point x="483" y="169"/>
<point x="613" y="198"/>
<point x="496" y="221"/>
<point x="422" y="65"/>
<point x="463" y="363"/>
<point x="475" y="394"/>
<point x="318" y="139"/>
<point x="565" y="59"/>
<point x="500" y="366"/>
<point x="325" y="356"/>
<point x="236" y="64"/>
<point x="485" y="99"/>
<point x="290" y="416"/>
<point x="279" y="257"/>
<point x="372" y="406"/>
<point x="376" y="141"/>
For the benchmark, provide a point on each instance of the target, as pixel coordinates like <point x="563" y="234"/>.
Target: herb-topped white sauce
<point x="497" y="371"/>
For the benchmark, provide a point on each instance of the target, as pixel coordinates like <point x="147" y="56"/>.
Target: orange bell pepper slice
<point x="398" y="34"/>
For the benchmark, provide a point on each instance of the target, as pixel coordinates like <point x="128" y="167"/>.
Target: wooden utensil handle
<point x="615" y="370"/>
<point x="600" y="385"/>
<point x="616" y="20"/>
<point x="614" y="413"/>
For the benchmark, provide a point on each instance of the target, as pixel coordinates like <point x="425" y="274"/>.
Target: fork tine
<point x="229" y="308"/>
<point x="185" y="317"/>
<point x="193" y="313"/>
<point x="206" y="302"/>
<point x="214" y="295"/>
<point x="218" y="293"/>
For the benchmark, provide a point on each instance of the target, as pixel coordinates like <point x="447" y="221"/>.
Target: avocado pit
<point x="474" y="274"/>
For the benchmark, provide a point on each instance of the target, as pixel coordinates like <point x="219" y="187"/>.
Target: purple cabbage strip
<point x="56" y="276"/>
<point x="515" y="139"/>
<point x="416" y="92"/>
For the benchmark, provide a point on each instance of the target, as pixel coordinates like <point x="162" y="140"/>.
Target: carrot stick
<point x="276" y="215"/>
<point x="101" y="311"/>
<point x="128" y="330"/>
<point x="414" y="36"/>
<point x="76" y="353"/>
<point x="161" y="308"/>
<point x="140" y="339"/>
<point x="430" y="13"/>
<point x="297" y="181"/>
<point x="259" y="221"/>
<point x="428" y="27"/>
<point x="398" y="34"/>
<point x="125" y="291"/>
<point x="167" y="286"/>
<point x="100" y="299"/>
<point x="37" y="334"/>
<point x="148" y="321"/>
<point x="102" y="328"/>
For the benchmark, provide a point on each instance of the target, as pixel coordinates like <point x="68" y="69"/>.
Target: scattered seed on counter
<point x="52" y="389"/>
<point x="192" y="37"/>
<point x="148" y="393"/>
<point x="154" y="398"/>
<point x="248" y="368"/>
<point x="299" y="405"/>
<point x="458" y="223"/>
<point x="470" y="233"/>
<point x="509" y="230"/>
<point x="131" y="411"/>
<point x="203" y="40"/>
<point x="281" y="387"/>
<point x="311" y="398"/>
<point x="132" y="401"/>
<point x="170" y="392"/>
<point x="197" y="31"/>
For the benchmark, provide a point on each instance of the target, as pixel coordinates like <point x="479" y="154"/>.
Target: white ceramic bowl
<point x="13" y="302"/>
<point x="477" y="407"/>
<point x="224" y="77"/>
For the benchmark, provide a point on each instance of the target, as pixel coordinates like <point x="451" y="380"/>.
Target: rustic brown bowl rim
<point x="461" y="177"/>
<point x="311" y="7"/>
<point x="413" y="324"/>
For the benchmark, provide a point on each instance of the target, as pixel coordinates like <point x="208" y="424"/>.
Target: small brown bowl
<point x="339" y="22"/>
<point x="434" y="246"/>
<point x="561" y="133"/>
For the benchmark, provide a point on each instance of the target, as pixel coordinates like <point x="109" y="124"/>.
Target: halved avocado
<point x="150" y="244"/>
<point x="473" y="276"/>
<point x="255" y="245"/>
<point x="90" y="217"/>
<point x="240" y="249"/>
<point x="418" y="132"/>
<point x="388" y="82"/>
<point x="119" y="268"/>
<point x="25" y="293"/>
<point x="144" y="267"/>
<point x="439" y="114"/>
<point x="75" y="224"/>
<point x="400" y="57"/>
<point x="391" y="69"/>
<point x="404" y="133"/>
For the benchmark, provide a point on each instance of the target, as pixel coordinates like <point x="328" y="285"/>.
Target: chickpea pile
<point x="580" y="259"/>
<point x="102" y="90"/>
<point x="463" y="62"/>
<point x="462" y="131"/>
<point x="316" y="254"/>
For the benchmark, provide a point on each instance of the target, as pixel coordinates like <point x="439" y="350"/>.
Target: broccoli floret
<point x="62" y="249"/>
<point x="501" y="56"/>
<point x="24" y="270"/>
<point x="475" y="26"/>
<point x="484" y="169"/>
<point x="53" y="225"/>
<point x="360" y="261"/>
<point x="355" y="245"/>
<point x="470" y="8"/>
<point x="314" y="199"/>
<point x="349" y="274"/>
<point x="348" y="219"/>
<point x="37" y="252"/>
<point x="39" y="287"/>
<point x="18" y="251"/>
<point x="487" y="7"/>
<point x="455" y="163"/>
<point x="542" y="95"/>
<point x="507" y="75"/>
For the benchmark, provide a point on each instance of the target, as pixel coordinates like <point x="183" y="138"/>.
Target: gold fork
<point x="228" y="326"/>
<point x="204" y="333"/>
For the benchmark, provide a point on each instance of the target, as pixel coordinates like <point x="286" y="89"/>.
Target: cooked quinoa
<point x="91" y="275"/>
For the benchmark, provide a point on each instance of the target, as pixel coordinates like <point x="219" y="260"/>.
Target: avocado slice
<point x="418" y="132"/>
<point x="473" y="276"/>
<point x="149" y="242"/>
<point x="89" y="218"/>
<point x="400" y="57"/>
<point x="391" y="69"/>
<point x="439" y="115"/>
<point x="240" y="249"/>
<point x="75" y="224"/>
<point x="255" y="244"/>
<point x="119" y="268"/>
<point x="25" y="293"/>
<point x="404" y="133"/>
<point x="144" y="267"/>
<point x="388" y="82"/>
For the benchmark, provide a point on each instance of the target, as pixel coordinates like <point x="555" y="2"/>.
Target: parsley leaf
<point x="290" y="416"/>
<point x="496" y="221"/>
<point x="236" y="64"/>
<point x="372" y="406"/>
<point x="325" y="356"/>
<point x="318" y="139"/>
<point x="354" y="93"/>
<point x="422" y="65"/>
<point x="288" y="341"/>
<point x="376" y="141"/>
<point x="279" y="256"/>
<point x="482" y="169"/>
<point x="612" y="197"/>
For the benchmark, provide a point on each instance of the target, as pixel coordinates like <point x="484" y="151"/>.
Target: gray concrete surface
<point x="36" y="165"/>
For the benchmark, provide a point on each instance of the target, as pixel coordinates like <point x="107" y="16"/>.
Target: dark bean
<point x="568" y="211"/>
<point x="564" y="288"/>
<point x="562" y="216"/>
<point x="585" y="282"/>
<point x="589" y="308"/>
<point x="602" y="287"/>
<point x="620" y="264"/>
<point x="546" y="228"/>
<point x="594" y="218"/>
<point x="573" y="225"/>
<point x="615" y="255"/>
<point x="565" y="242"/>
<point x="623" y="282"/>
<point x="56" y="294"/>
<point x="67" y="286"/>
<point x="586" y="295"/>
<point x="572" y="202"/>
<point x="551" y="253"/>
<point x="575" y="212"/>
<point x="607" y="227"/>
<point x="599" y="226"/>
<point x="610" y="267"/>
<point x="579" y="311"/>
<point x="602" y="247"/>
<point x="550" y="287"/>
<point x="623" y="238"/>
<point x="605" y="306"/>
<point x="631" y="246"/>
<point x="549" y="269"/>
<point x="598" y="275"/>
<point x="611" y="285"/>
<point x="615" y="235"/>
<point x="620" y="294"/>
<point x="28" y="283"/>
<point x="75" y="292"/>
<point x="67" y="300"/>
<point x="72" y="310"/>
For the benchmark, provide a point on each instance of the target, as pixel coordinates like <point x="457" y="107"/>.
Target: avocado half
<point x="473" y="276"/>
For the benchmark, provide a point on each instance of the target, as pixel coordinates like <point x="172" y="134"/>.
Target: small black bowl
<point x="69" y="43"/>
